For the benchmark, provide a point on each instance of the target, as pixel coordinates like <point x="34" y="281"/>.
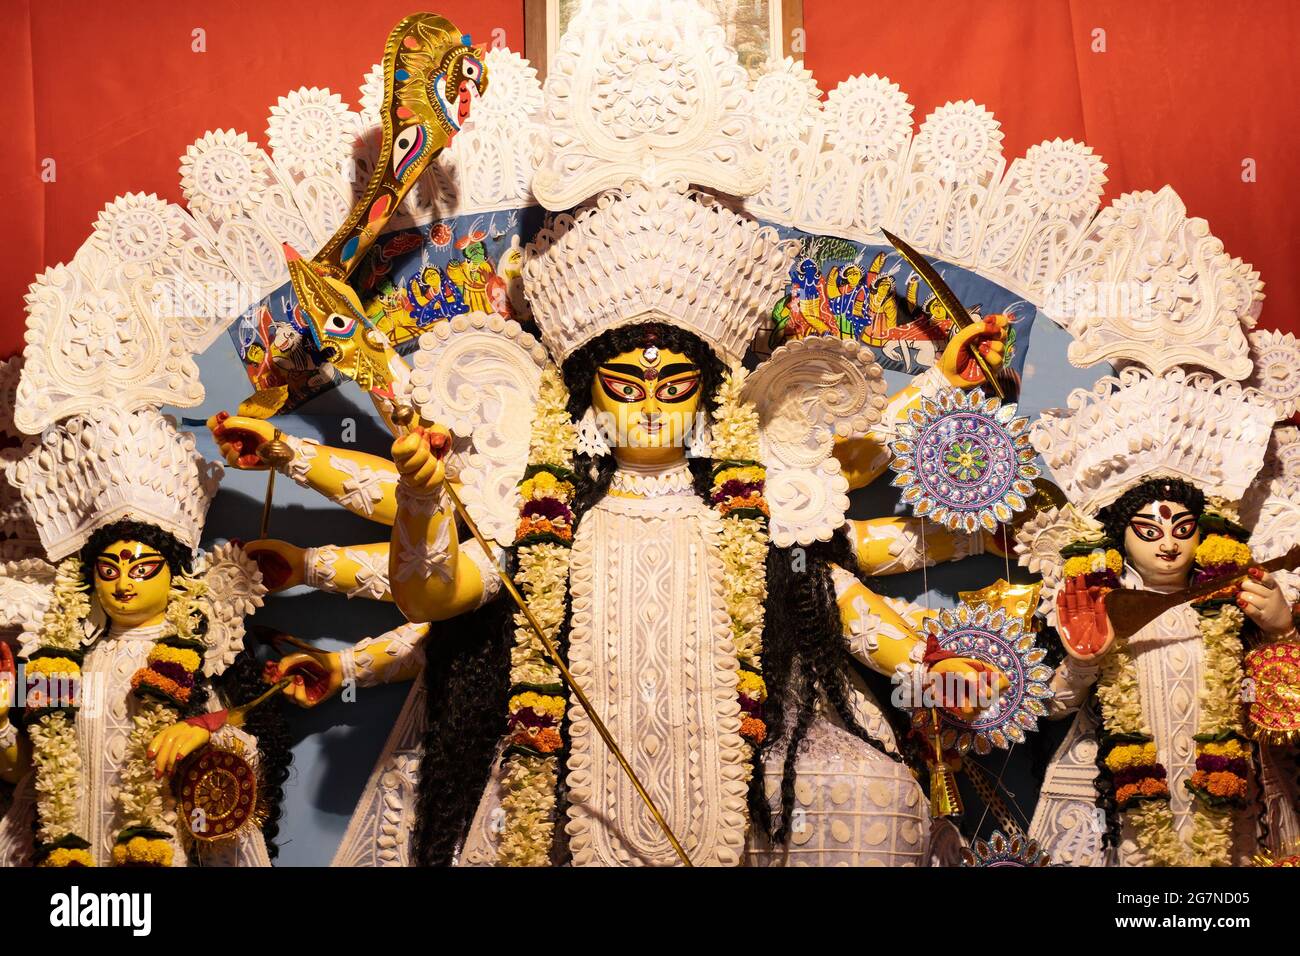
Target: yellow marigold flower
<point x="183" y="656"/>
<point x="1225" y="748"/>
<point x="1220" y="549"/>
<point x="746" y="473"/>
<point x="751" y="685"/>
<point x="53" y="665"/>
<point x="1130" y="755"/>
<point x="542" y="703"/>
<point x="1109" y="560"/>
<point x="65" y="857"/>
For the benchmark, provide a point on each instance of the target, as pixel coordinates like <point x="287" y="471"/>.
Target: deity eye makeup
<point x="679" y="390"/>
<point x="621" y="390"/>
<point x="1185" y="527"/>
<point x="147" y="568"/>
<point x="107" y="570"/>
<point x="1146" y="530"/>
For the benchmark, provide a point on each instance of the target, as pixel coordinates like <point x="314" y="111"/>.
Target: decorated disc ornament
<point x="1274" y="707"/>
<point x="987" y="634"/>
<point x="999" y="850"/>
<point x="964" y="460"/>
<point x="217" y="794"/>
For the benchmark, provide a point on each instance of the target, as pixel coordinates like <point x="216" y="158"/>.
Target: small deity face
<point x="132" y="582"/>
<point x="647" y="398"/>
<point x="1161" y="541"/>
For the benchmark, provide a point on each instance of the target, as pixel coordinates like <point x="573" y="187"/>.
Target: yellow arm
<point x="893" y="545"/>
<point x="875" y="633"/>
<point x="881" y="638"/>
<point x="364" y="484"/>
<point x="357" y="570"/>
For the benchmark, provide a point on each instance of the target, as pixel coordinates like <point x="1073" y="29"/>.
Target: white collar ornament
<point x="653" y="482"/>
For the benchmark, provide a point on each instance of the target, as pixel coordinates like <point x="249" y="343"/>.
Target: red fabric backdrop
<point x="1183" y="93"/>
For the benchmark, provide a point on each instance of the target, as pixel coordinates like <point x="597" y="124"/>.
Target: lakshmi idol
<point x="130" y="651"/>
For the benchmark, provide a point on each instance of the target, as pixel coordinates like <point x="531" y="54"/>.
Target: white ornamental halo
<point x="989" y="635"/>
<point x="311" y="131"/>
<point x="142" y="232"/>
<point x="964" y="461"/>
<point x="790" y="97"/>
<point x="871" y="113"/>
<point x="961" y="143"/>
<point x="220" y="174"/>
<point x="1277" y="369"/>
<point x="1067" y="177"/>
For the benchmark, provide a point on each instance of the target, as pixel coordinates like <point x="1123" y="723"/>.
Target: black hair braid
<point x="803" y="658"/>
<point x="1116" y="516"/>
<point x="466" y="684"/>
<point x="242" y="682"/>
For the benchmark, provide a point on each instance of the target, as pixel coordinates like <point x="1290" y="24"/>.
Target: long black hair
<point x="240" y="683"/>
<point x="804" y="658"/>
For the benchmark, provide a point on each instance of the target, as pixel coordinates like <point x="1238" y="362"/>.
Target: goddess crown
<point x="1213" y="433"/>
<point x="644" y="99"/>
<point x="91" y="471"/>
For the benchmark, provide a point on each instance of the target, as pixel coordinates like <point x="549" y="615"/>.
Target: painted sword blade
<point x="961" y="318"/>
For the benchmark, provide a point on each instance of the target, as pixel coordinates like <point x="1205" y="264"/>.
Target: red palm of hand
<point x="1081" y="611"/>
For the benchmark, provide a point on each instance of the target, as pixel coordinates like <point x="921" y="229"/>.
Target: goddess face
<point x="647" y="399"/>
<point x="1161" y="541"/>
<point x="132" y="582"/>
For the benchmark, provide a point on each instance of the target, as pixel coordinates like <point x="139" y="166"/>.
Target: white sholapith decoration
<point x="1150" y="286"/>
<point x="649" y="92"/>
<point x="809" y="393"/>
<point x="655" y="255"/>
<point x="92" y="471"/>
<point x="1276" y="356"/>
<point x="1213" y="434"/>
<point x="479" y="375"/>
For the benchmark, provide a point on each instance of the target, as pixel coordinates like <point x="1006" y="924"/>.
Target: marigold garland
<point x="737" y="493"/>
<point x="537" y="702"/>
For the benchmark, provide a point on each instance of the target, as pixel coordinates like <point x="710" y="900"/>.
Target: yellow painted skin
<point x="648" y="430"/>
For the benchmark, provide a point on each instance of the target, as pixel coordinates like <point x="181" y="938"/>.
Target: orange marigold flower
<point x="753" y="729"/>
<point x="157" y="681"/>
<point x="1224" y="784"/>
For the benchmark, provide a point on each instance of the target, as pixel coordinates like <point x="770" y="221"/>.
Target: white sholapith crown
<point x="91" y="471"/>
<point x="655" y="254"/>
<point x="1139" y="425"/>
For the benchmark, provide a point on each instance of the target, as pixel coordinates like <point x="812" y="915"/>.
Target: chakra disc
<point x="964" y="460"/>
<point x="988" y="635"/>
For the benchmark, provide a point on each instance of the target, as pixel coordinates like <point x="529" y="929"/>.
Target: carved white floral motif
<point x="1149" y="285"/>
<point x="1276" y="356"/>
<point x="646" y="91"/>
<point x="810" y="392"/>
<point x="234" y="591"/>
<point x="87" y="344"/>
<point x="479" y="375"/>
